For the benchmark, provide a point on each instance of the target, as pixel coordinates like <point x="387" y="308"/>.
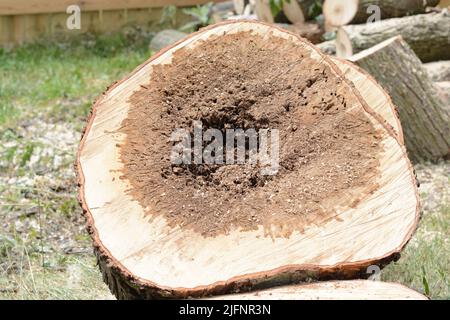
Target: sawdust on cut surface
<point x="328" y="147"/>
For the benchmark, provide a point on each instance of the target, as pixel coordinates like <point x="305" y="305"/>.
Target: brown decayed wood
<point x="388" y="113"/>
<point x="293" y="93"/>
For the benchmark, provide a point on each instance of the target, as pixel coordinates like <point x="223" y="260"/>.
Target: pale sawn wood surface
<point x="332" y="290"/>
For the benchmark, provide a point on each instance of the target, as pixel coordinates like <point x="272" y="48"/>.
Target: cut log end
<point x="338" y="12"/>
<point x="239" y="6"/>
<point x="341" y="13"/>
<point x="344" y="48"/>
<point x="377" y="48"/>
<point x="151" y="246"/>
<point x="293" y="12"/>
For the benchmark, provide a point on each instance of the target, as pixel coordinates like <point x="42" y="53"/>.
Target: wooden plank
<point x="43" y="25"/>
<point x="17" y="29"/>
<point x="24" y="28"/>
<point x="6" y="30"/>
<point x="444" y="3"/>
<point x="111" y="21"/>
<point x="139" y="16"/>
<point x="18" y="7"/>
<point x="57" y="24"/>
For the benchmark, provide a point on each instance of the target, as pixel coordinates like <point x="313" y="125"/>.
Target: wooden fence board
<point x="17" y="29"/>
<point x="19" y="7"/>
<point x="6" y="29"/>
<point x="26" y="20"/>
<point x="444" y="3"/>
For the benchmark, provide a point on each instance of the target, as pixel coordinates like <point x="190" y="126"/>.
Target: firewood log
<point x="342" y="12"/>
<point x="425" y="120"/>
<point x="343" y="201"/>
<point x="427" y="34"/>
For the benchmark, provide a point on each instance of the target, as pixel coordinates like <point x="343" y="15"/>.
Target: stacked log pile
<point x="405" y="46"/>
<point x="425" y="119"/>
<point x="427" y="34"/>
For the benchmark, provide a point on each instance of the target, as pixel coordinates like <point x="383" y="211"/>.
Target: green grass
<point x="62" y="79"/>
<point x="425" y="263"/>
<point x="45" y="252"/>
<point x="54" y="83"/>
<point x="79" y="279"/>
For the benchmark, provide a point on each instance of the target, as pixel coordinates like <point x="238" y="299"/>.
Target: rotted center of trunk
<point x="243" y="132"/>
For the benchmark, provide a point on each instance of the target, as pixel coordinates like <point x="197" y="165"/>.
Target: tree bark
<point x="392" y="8"/>
<point x="438" y="71"/>
<point x="427" y="34"/>
<point x="338" y="13"/>
<point x="425" y="121"/>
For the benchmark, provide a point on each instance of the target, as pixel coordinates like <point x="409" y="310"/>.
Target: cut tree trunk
<point x="427" y="34"/>
<point x="142" y="253"/>
<point x="425" y="121"/>
<point x="339" y="13"/>
<point x="438" y="71"/>
<point x="332" y="290"/>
